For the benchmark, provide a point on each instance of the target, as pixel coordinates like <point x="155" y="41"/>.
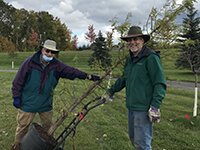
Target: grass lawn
<point x="79" y="59"/>
<point x="105" y="128"/>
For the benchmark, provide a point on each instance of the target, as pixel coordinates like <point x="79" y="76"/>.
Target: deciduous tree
<point x="33" y="40"/>
<point x="90" y="35"/>
<point x="6" y="45"/>
<point x="75" y="42"/>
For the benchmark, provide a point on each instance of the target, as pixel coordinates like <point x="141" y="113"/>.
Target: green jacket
<point x="34" y="85"/>
<point x="143" y="79"/>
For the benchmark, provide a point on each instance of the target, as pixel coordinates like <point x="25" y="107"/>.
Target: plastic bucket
<point x="37" y="139"/>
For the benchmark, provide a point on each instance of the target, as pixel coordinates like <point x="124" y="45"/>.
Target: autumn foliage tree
<point x="75" y="42"/>
<point x="109" y="39"/>
<point x="90" y="35"/>
<point x="68" y="39"/>
<point x="7" y="46"/>
<point x="33" y="40"/>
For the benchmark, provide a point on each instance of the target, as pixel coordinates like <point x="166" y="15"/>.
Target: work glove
<point x="154" y="114"/>
<point x="17" y="102"/>
<point x="93" y="77"/>
<point x="108" y="97"/>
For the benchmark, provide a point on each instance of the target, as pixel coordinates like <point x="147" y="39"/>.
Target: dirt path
<point x="183" y="85"/>
<point x="10" y="70"/>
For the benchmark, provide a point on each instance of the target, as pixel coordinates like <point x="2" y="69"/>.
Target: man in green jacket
<point x="145" y="85"/>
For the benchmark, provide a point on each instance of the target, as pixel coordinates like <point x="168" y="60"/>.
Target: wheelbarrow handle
<point x="77" y="119"/>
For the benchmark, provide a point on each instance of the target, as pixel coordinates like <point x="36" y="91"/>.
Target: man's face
<point x="48" y="52"/>
<point x="135" y="45"/>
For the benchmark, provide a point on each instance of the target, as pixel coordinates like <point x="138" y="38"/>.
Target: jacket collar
<point x="143" y="53"/>
<point x="36" y="58"/>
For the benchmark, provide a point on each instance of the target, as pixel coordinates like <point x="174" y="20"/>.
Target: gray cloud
<point x="105" y="10"/>
<point x="78" y="14"/>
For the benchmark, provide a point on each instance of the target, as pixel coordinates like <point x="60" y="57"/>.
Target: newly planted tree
<point x="190" y="46"/>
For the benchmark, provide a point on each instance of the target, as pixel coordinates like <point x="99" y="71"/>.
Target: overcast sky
<point x="78" y="14"/>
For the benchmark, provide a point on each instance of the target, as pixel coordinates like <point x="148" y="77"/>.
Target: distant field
<point x="79" y="59"/>
<point x="71" y="57"/>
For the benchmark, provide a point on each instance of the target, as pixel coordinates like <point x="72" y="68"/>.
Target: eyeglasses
<point x="134" y="39"/>
<point x="52" y="52"/>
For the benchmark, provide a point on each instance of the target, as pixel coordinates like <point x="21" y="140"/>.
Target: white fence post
<point x="13" y="65"/>
<point x="195" y="102"/>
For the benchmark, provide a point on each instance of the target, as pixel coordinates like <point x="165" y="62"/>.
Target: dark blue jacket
<point x="34" y="84"/>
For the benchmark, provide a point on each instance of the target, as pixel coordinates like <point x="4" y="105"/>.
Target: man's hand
<point x="17" y="102"/>
<point x="93" y="77"/>
<point x="154" y="114"/>
<point x="108" y="97"/>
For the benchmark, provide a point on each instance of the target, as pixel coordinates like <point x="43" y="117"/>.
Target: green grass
<point x="75" y="58"/>
<point x="168" y="58"/>
<point x="79" y="59"/>
<point x="105" y="128"/>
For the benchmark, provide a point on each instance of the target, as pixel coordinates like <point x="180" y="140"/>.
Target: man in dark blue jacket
<point x="34" y="84"/>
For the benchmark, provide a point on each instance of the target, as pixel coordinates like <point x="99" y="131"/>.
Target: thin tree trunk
<point x="64" y="115"/>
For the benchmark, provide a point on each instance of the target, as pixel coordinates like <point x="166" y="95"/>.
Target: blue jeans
<point x="140" y="130"/>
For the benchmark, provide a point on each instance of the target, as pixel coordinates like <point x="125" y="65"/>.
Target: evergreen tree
<point x="100" y="58"/>
<point x="190" y="40"/>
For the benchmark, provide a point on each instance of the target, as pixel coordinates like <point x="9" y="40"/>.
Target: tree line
<point x="22" y="30"/>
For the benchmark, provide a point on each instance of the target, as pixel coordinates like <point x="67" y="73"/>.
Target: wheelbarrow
<point x="38" y="139"/>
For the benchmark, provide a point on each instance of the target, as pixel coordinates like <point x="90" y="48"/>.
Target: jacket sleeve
<point x="71" y="73"/>
<point x="20" y="78"/>
<point x="157" y="78"/>
<point x="119" y="84"/>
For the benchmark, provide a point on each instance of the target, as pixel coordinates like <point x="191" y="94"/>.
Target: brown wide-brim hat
<point x="136" y="31"/>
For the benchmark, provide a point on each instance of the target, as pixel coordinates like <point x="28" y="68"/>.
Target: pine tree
<point x="100" y="58"/>
<point x="190" y="40"/>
